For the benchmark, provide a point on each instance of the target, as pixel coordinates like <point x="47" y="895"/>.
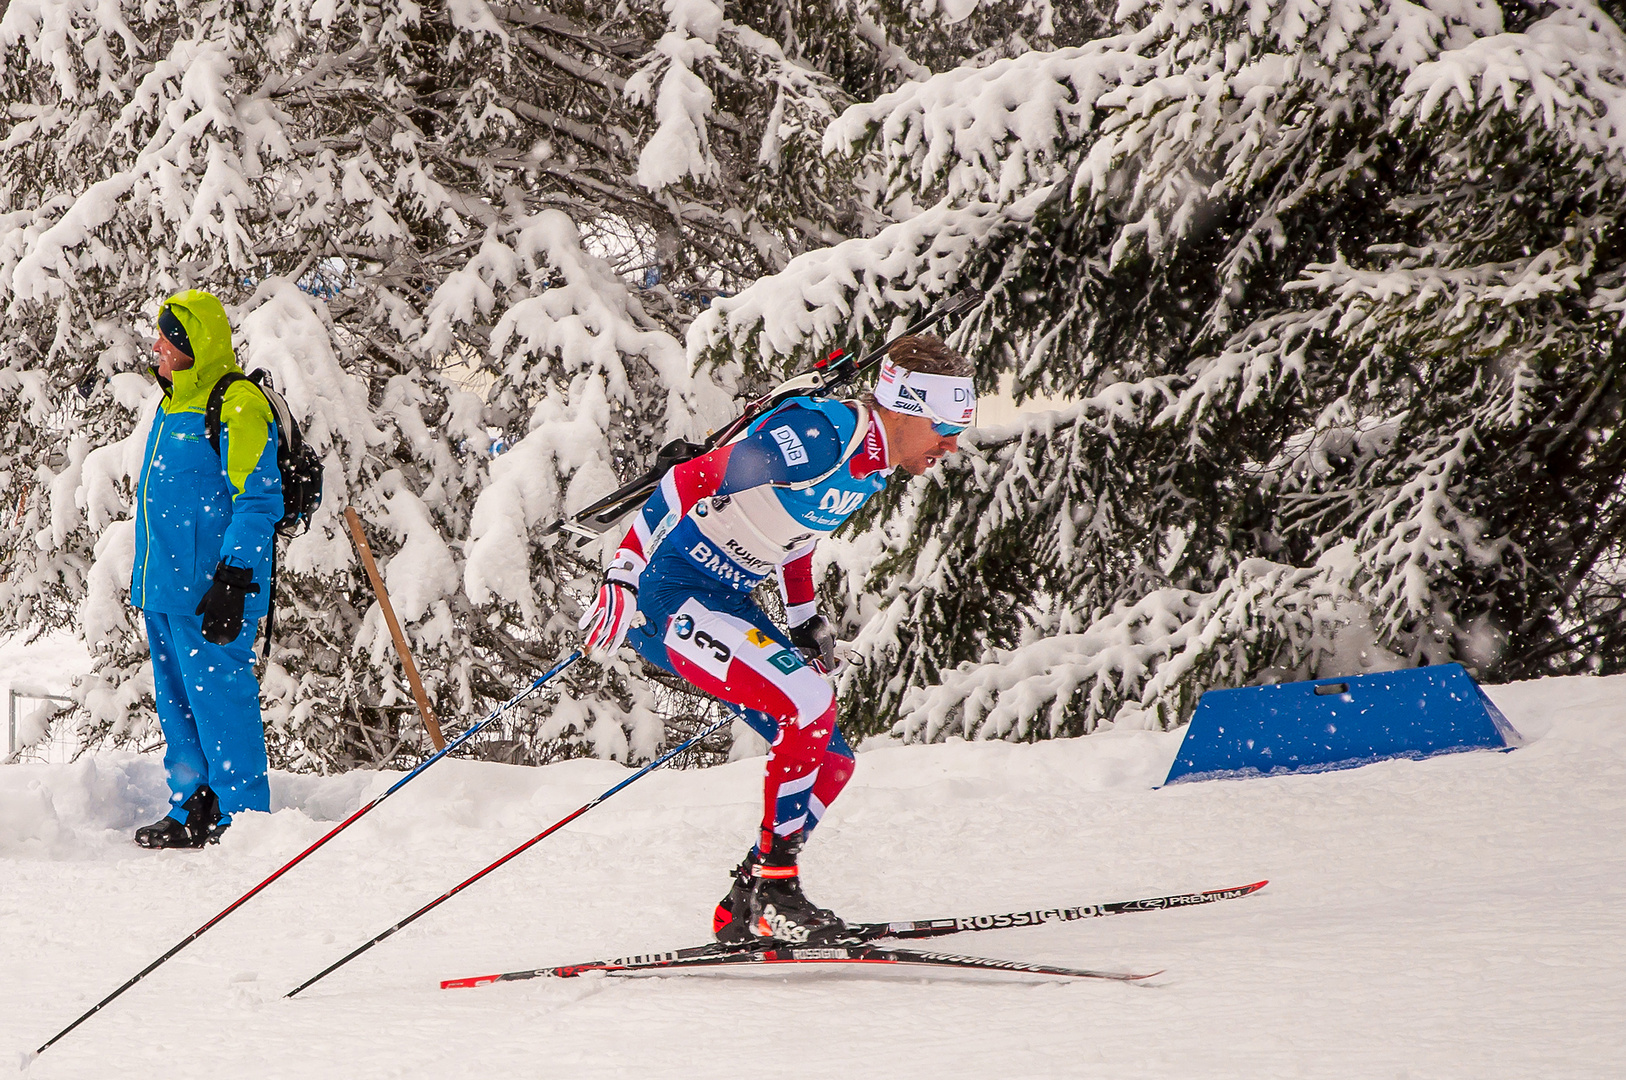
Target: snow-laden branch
<point x="186" y="99"/>
<point x="1422" y="532"/>
<point x="1135" y="660"/>
<point x="1568" y="68"/>
<point x="993" y="133"/>
<point x="284" y="331"/>
<point x="576" y="339"/>
<point x="683" y="102"/>
<point x="859" y="286"/>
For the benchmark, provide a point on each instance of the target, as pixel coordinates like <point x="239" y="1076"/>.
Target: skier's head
<point x="925" y="400"/>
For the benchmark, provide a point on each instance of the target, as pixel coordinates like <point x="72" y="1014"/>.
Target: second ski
<point x="709" y="958"/>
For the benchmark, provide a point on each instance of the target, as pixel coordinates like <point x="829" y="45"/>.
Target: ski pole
<point x="536" y="685"/>
<point x="544" y="834"/>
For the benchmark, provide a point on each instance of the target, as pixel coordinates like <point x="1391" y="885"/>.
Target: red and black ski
<point x="711" y="957"/>
<point x="857" y="948"/>
<point x="938" y="927"/>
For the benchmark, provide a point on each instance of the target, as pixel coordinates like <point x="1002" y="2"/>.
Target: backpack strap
<point x="211" y="427"/>
<point x="271" y="607"/>
<point x="287" y="429"/>
<point x="217" y="401"/>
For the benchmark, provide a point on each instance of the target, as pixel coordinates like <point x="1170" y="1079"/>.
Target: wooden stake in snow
<point x="407" y="665"/>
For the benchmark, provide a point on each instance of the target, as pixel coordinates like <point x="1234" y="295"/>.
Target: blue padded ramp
<point x="1339" y="724"/>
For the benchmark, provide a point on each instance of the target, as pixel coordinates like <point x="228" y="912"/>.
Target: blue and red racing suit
<point x="714" y="529"/>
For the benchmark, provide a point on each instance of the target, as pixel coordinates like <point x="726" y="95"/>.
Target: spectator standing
<point x="204" y="535"/>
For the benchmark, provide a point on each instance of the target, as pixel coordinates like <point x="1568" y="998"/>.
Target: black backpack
<point x="300" y="467"/>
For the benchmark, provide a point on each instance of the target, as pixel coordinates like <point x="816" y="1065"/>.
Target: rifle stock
<point x="827" y="375"/>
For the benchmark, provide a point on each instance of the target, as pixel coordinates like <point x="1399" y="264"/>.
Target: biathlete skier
<point x="712" y="531"/>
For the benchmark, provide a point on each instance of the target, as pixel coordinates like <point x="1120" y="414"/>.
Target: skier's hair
<point x="927" y="354"/>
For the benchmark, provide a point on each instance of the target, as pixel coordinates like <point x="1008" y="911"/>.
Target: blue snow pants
<point x="209" y="708"/>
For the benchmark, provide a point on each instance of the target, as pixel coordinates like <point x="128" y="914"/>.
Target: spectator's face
<point x="170" y="359"/>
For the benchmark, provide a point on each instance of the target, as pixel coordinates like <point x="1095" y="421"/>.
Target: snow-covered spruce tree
<point x="1335" y="294"/>
<point x="423" y="220"/>
<point x="870" y="47"/>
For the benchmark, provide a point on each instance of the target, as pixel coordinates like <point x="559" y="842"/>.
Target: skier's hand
<point x="222" y="606"/>
<point x="606" y="622"/>
<point x="816" y="642"/>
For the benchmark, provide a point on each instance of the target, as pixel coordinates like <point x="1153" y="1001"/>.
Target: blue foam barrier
<point x="1339" y="724"/>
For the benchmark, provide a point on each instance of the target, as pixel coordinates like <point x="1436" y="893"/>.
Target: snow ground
<point x="1456" y="917"/>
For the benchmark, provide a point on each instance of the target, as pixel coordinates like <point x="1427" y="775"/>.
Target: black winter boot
<point x="166" y="832"/>
<point x="779" y="910"/>
<point x="730" y="923"/>
<point x="202" y="824"/>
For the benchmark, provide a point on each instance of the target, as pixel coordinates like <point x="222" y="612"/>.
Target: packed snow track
<point x="1455" y="917"/>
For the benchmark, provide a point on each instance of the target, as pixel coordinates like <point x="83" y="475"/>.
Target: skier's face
<point x="916" y="447"/>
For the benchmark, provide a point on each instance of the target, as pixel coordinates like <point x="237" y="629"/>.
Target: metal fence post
<point x="15" y="696"/>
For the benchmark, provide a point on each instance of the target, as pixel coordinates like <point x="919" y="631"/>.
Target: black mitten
<point x="222" y="606"/>
<point x="816" y="642"/>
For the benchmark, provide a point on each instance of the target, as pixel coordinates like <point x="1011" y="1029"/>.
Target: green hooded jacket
<point x="194" y="508"/>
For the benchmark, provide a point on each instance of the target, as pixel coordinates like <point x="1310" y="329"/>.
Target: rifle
<point x="829" y="374"/>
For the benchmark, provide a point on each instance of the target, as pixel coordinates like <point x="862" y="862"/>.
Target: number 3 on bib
<point x="693" y="635"/>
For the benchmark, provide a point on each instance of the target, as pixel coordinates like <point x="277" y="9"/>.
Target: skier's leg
<point x="834" y="772"/>
<point x="722" y="643"/>
<point x="725" y="645"/>
<point x="794" y="761"/>
<point x="225" y="698"/>
<point x="730" y="918"/>
<point x="731" y="658"/>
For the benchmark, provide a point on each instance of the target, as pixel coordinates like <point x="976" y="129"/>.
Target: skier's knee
<point x="802" y="741"/>
<point x="836" y="769"/>
<point x="815" y="702"/>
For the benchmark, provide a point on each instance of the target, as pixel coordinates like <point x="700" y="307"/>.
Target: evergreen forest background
<point x="1323" y="300"/>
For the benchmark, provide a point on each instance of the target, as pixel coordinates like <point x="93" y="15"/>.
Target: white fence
<point x="60" y="743"/>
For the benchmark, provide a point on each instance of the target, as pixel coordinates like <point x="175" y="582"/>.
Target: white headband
<point x="948" y="398"/>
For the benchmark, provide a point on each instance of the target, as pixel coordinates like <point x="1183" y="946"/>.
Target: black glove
<point x="222" y="606"/>
<point x="816" y="642"/>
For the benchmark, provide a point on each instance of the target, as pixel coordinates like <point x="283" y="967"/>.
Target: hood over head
<point x="209" y="332"/>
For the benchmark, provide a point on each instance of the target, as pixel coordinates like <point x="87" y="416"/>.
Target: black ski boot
<point x="202" y="824"/>
<point x="779" y="910"/>
<point x="730" y="923"/>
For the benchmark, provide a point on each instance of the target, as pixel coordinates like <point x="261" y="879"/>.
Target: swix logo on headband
<point x="943" y="398"/>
